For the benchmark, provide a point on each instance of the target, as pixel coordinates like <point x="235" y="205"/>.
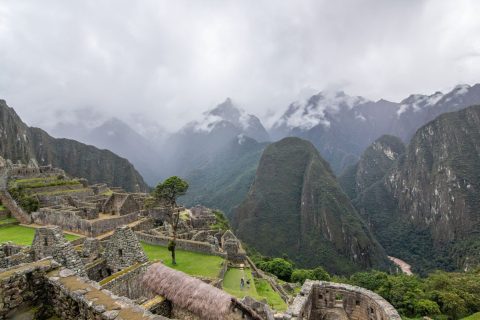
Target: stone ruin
<point x="335" y="301"/>
<point x="50" y="242"/>
<point x="123" y="250"/>
<point x="232" y="246"/>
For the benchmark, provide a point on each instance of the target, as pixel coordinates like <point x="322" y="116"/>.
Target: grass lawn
<point x="259" y="289"/>
<point x="2" y="208"/>
<point x="22" y="235"/>
<point x="475" y="316"/>
<point x="193" y="263"/>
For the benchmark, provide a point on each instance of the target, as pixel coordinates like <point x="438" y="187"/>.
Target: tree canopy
<point x="169" y="190"/>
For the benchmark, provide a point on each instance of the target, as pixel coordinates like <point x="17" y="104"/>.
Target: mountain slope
<point x="295" y="206"/>
<point x="22" y="143"/>
<point x="425" y="210"/>
<point x="223" y="182"/>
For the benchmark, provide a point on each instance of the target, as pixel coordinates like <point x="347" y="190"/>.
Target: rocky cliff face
<point x="295" y="206"/>
<point x="426" y="207"/>
<point x="22" y="143"/>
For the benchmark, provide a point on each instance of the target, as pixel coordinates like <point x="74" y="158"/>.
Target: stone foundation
<point x="334" y="301"/>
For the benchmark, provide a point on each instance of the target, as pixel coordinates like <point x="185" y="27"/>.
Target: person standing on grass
<point x="242" y="283"/>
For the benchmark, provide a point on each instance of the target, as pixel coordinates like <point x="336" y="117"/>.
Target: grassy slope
<point x="22" y="235"/>
<point x="192" y="263"/>
<point x="259" y="288"/>
<point x="475" y="316"/>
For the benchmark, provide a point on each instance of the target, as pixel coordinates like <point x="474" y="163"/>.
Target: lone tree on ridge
<point x="167" y="193"/>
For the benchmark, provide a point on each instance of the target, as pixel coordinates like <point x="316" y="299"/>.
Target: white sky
<point x="168" y="61"/>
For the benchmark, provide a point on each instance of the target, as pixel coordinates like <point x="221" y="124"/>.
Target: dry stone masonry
<point x="50" y="242"/>
<point x="333" y="301"/>
<point x="123" y="250"/>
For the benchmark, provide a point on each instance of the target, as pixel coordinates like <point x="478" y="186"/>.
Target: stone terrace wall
<point x="23" y="286"/>
<point x="73" y="298"/>
<point x="129" y="283"/>
<point x="318" y="298"/>
<point x="70" y="222"/>
<point x="15" y="210"/>
<point x="188" y="245"/>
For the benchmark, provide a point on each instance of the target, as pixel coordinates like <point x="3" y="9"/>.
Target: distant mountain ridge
<point x="22" y="143"/>
<point x="342" y="127"/>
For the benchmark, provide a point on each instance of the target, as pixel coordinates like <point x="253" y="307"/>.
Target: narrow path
<point x="405" y="267"/>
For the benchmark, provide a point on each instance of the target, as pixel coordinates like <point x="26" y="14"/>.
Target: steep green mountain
<point x="426" y="209"/>
<point x="22" y="143"/>
<point x="224" y="181"/>
<point x="374" y="163"/>
<point x="296" y="207"/>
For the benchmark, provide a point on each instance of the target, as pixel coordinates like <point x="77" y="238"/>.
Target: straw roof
<point x="189" y="293"/>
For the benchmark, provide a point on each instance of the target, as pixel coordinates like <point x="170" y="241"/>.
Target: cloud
<point x="172" y="60"/>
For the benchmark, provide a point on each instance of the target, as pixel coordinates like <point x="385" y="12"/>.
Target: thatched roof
<point x="189" y="293"/>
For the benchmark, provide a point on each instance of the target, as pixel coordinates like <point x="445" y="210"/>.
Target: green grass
<point x="2" y="208"/>
<point x="475" y="316"/>
<point x="259" y="289"/>
<point x="22" y="235"/>
<point x="192" y="263"/>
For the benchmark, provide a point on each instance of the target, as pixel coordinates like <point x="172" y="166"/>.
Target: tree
<point x="166" y="193"/>
<point x="279" y="267"/>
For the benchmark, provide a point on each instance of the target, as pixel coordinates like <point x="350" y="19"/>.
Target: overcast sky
<point x="168" y="61"/>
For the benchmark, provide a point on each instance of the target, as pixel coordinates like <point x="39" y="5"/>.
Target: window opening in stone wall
<point x="120" y="252"/>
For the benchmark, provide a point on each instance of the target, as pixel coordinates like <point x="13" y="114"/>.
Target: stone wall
<point x="15" y="210"/>
<point x="73" y="298"/>
<point x="123" y="250"/>
<point x="50" y="242"/>
<point x="71" y="222"/>
<point x="97" y="270"/>
<point x="328" y="300"/>
<point x="128" y="283"/>
<point x="188" y="245"/>
<point x="23" y="286"/>
<point x="12" y="255"/>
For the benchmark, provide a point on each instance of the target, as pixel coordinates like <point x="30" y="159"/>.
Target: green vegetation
<point x="259" y="289"/>
<point x="280" y="267"/>
<point x="43" y="182"/>
<point x="22" y="235"/>
<point x="223" y="182"/>
<point x="454" y="295"/>
<point x="2" y="208"/>
<point x="300" y="275"/>
<point x="27" y="202"/>
<point x="192" y="263"/>
<point x="167" y="193"/>
<point x="221" y="223"/>
<point x="475" y="316"/>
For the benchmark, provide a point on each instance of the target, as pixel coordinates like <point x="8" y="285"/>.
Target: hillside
<point x="296" y="207"/>
<point x="223" y="183"/>
<point x="425" y="209"/>
<point x="23" y="143"/>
